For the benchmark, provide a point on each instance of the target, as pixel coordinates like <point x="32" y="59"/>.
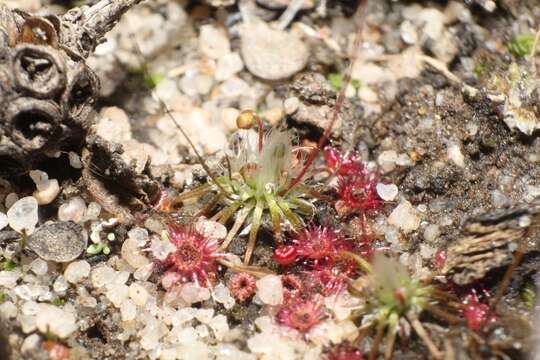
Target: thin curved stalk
<point x="255" y="225"/>
<point x="392" y="333"/>
<point x="289" y="214"/>
<point x="229" y="211"/>
<point x="242" y="215"/>
<point x="422" y="333"/>
<point x="378" y="337"/>
<point x="191" y="194"/>
<point x="275" y="215"/>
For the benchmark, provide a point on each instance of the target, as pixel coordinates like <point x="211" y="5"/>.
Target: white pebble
<point x="60" y="284"/>
<point x="75" y="160"/>
<point x="270" y="290"/>
<point x="117" y="294"/>
<point x="387" y="192"/>
<point x="204" y="315"/>
<point x="138" y="294"/>
<point x="92" y="211"/>
<point x="47" y="189"/>
<point x="455" y="155"/>
<point x="404" y="217"/>
<point x="222" y="295"/>
<point x="220" y="326"/>
<point x="213" y="42"/>
<point x="3" y="220"/>
<point x="55" y="320"/>
<point x="76" y="271"/>
<point x="193" y="293"/>
<point x="31" y="343"/>
<point x="39" y="267"/>
<point x="132" y="254"/>
<point x="432" y="232"/>
<point x="211" y="230"/>
<point x="102" y="275"/>
<point x="10" y="199"/>
<point x="28" y="323"/>
<point x="128" y="310"/>
<point x="290" y="105"/>
<point x="387" y="160"/>
<point x="8" y="310"/>
<point x="23" y="215"/>
<point x="73" y="210"/>
<point x="8" y="279"/>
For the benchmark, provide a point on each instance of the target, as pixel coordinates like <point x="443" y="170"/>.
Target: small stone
<point x="143" y="273"/>
<point x="455" y="155"/>
<point x="30" y="344"/>
<point x="92" y="211"/>
<point x="75" y="160"/>
<point x="23" y="215"/>
<point x="387" y="192"/>
<point x="60" y="284"/>
<point x="228" y="66"/>
<point x="3" y="220"/>
<point x="113" y="125"/>
<point x="62" y="241"/>
<point x="273" y="115"/>
<point x="404" y="217"/>
<point x="102" y="276"/>
<point x="228" y="118"/>
<point x="8" y="279"/>
<point x="270" y="290"/>
<point x="28" y="323"/>
<point x="213" y="42"/>
<point x="222" y="295"/>
<point x="117" y="294"/>
<point x="39" y="267"/>
<point x="220" y="326"/>
<point x="8" y="310"/>
<point x="72" y="210"/>
<point x="138" y="294"/>
<point x="10" y="199"/>
<point x="193" y="293"/>
<point x="290" y="105"/>
<point x="272" y="54"/>
<point x="140" y="235"/>
<point x="47" y="189"/>
<point x="128" y="310"/>
<point x="55" y="320"/>
<point x="76" y="271"/>
<point x="387" y="160"/>
<point x="211" y="230"/>
<point x="204" y="315"/>
<point x="408" y="33"/>
<point x="432" y="232"/>
<point x="133" y="254"/>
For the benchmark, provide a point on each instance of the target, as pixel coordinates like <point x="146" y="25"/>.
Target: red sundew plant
<point x="316" y="246"/>
<point x="356" y="190"/>
<point x="292" y="286"/>
<point x="345" y="353"/>
<point x="476" y="313"/>
<point x="194" y="259"/>
<point x="301" y="314"/>
<point x="242" y="286"/>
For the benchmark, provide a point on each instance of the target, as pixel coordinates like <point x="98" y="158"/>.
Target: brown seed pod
<point x="33" y="124"/>
<point x="39" y="71"/>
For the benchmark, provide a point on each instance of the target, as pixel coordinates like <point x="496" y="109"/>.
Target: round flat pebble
<point x="62" y="241"/>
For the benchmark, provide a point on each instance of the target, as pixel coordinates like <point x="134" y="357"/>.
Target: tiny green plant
<point x="521" y="45"/>
<point x="98" y="248"/>
<point x="8" y="265"/>
<point x="393" y="297"/>
<point x="257" y="183"/>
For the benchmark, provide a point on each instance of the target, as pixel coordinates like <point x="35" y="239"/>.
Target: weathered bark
<point x="46" y="89"/>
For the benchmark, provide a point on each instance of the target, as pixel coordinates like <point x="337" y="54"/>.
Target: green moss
<point x="336" y="81"/>
<point x="479" y="70"/>
<point x="8" y="265"/>
<point x="528" y="295"/>
<point x="152" y="80"/>
<point x="521" y="45"/>
<point x="58" y="301"/>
